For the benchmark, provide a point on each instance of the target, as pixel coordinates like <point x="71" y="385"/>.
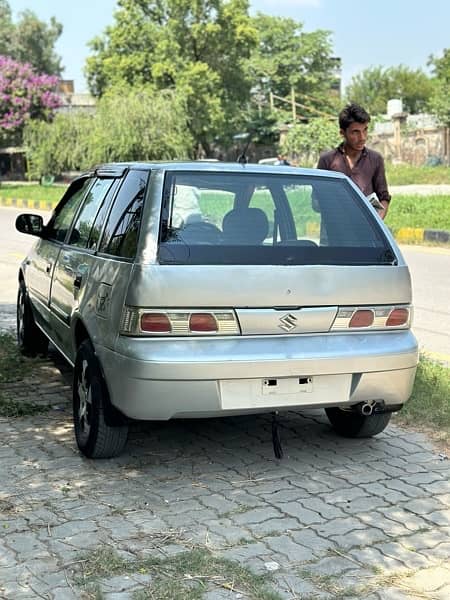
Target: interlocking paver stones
<point x="362" y="475"/>
<point x="411" y="521"/>
<point x="359" y="537"/>
<point x="332" y="566"/>
<point x="306" y="536"/>
<point x="366" y="504"/>
<point x="439" y="517"/>
<point x="256" y="515"/>
<point x="424" y="506"/>
<point x="291" y="586"/>
<point x="341" y="526"/>
<point x="374" y="559"/>
<point x="283" y="544"/>
<point x="410" y="558"/>
<point x="304" y="515"/>
<point x="230" y="533"/>
<point x="272" y="526"/>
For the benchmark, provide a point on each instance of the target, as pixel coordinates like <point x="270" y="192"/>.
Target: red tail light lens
<point x="398" y="317"/>
<point x="155" y="323"/>
<point x="202" y="322"/>
<point x="362" y="318"/>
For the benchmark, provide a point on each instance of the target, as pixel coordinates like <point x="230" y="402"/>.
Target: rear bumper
<point x="161" y="379"/>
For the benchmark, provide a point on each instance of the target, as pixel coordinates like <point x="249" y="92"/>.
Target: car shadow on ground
<point x="306" y="436"/>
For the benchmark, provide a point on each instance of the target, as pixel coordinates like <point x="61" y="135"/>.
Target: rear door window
<point x="123" y="225"/>
<point x="81" y="231"/>
<point x="255" y="218"/>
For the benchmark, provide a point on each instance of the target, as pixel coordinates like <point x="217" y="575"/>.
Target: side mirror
<point x="30" y="224"/>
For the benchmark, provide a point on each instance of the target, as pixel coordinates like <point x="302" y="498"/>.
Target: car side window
<point x="122" y="227"/>
<point x="92" y="204"/>
<point x="59" y="224"/>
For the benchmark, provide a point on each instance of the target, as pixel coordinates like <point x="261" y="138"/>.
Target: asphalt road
<point x="430" y="269"/>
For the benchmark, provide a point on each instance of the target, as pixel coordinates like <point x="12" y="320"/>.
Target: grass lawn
<point x="408" y="174"/>
<point x="429" y="405"/>
<point x="427" y="212"/>
<point x="33" y="192"/>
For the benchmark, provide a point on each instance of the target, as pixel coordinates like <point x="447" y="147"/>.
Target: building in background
<point x="73" y="101"/>
<point x="414" y="139"/>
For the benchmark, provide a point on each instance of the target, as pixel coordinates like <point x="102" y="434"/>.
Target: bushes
<point x="128" y="125"/>
<point x="306" y="142"/>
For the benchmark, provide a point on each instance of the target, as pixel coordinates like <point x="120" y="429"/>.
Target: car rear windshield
<point x="277" y="219"/>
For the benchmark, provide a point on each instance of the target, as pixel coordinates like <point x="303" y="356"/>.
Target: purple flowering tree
<point x="24" y="95"/>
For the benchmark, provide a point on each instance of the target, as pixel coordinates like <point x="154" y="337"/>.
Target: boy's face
<point x="355" y="136"/>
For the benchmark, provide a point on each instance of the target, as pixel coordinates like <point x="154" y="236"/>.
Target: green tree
<point x="35" y="43"/>
<point x="62" y="145"/>
<point x="128" y="124"/>
<point x="306" y="141"/>
<point x="373" y="87"/>
<point x="440" y="101"/>
<point x="6" y="27"/>
<point x="197" y="47"/>
<point x="30" y="40"/>
<point x="287" y="58"/>
<point x="139" y="123"/>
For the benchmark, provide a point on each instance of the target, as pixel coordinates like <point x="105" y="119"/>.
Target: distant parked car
<point x="212" y="289"/>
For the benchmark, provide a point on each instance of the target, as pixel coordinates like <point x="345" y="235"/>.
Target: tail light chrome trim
<point x="184" y="322"/>
<point x="369" y="318"/>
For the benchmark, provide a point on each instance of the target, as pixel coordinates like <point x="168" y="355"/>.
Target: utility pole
<point x="294" y="112"/>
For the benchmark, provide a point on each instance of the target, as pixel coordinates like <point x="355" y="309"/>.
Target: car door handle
<point x="48" y="268"/>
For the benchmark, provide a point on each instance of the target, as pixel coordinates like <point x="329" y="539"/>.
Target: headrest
<point x="245" y="226"/>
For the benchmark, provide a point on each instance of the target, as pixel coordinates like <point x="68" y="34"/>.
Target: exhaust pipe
<point x="375" y="408"/>
<point x="365" y="408"/>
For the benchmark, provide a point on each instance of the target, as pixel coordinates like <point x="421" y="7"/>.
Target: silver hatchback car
<point x="210" y="289"/>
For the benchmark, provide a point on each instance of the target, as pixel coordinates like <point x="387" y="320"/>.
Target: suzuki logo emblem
<point x="288" y="322"/>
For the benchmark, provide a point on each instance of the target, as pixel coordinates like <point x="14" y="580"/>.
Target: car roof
<point x="212" y="167"/>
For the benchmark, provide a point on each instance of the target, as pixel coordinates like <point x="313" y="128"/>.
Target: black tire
<point x="353" y="425"/>
<point x="95" y="438"/>
<point x="30" y="339"/>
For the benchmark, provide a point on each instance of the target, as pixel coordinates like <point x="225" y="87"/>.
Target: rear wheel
<point x="30" y="339"/>
<point x="95" y="438"/>
<point x="354" y="425"/>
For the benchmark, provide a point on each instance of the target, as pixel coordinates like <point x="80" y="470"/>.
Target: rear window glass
<point x="247" y="218"/>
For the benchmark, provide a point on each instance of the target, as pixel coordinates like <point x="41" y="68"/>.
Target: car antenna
<point x="243" y="158"/>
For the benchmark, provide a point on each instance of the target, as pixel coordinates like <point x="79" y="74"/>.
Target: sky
<point x="365" y="33"/>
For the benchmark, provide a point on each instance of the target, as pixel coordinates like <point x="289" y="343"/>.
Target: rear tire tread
<point x="30" y="339"/>
<point x="354" y="425"/>
<point x="103" y="440"/>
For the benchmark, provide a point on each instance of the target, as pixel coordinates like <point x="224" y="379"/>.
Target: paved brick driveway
<point x="335" y="518"/>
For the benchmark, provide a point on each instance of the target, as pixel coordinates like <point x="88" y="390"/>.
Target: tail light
<point x="362" y="318"/>
<point x="186" y="322"/>
<point x="372" y="318"/>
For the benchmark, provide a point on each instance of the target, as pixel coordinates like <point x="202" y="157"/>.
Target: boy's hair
<point x="352" y="113"/>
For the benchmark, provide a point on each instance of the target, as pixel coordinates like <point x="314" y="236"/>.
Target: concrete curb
<point x="24" y="203"/>
<point x="416" y="235"/>
<point x="404" y="235"/>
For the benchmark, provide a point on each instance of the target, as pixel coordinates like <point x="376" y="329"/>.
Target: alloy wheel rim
<point x="20" y="317"/>
<point x="84" y="391"/>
